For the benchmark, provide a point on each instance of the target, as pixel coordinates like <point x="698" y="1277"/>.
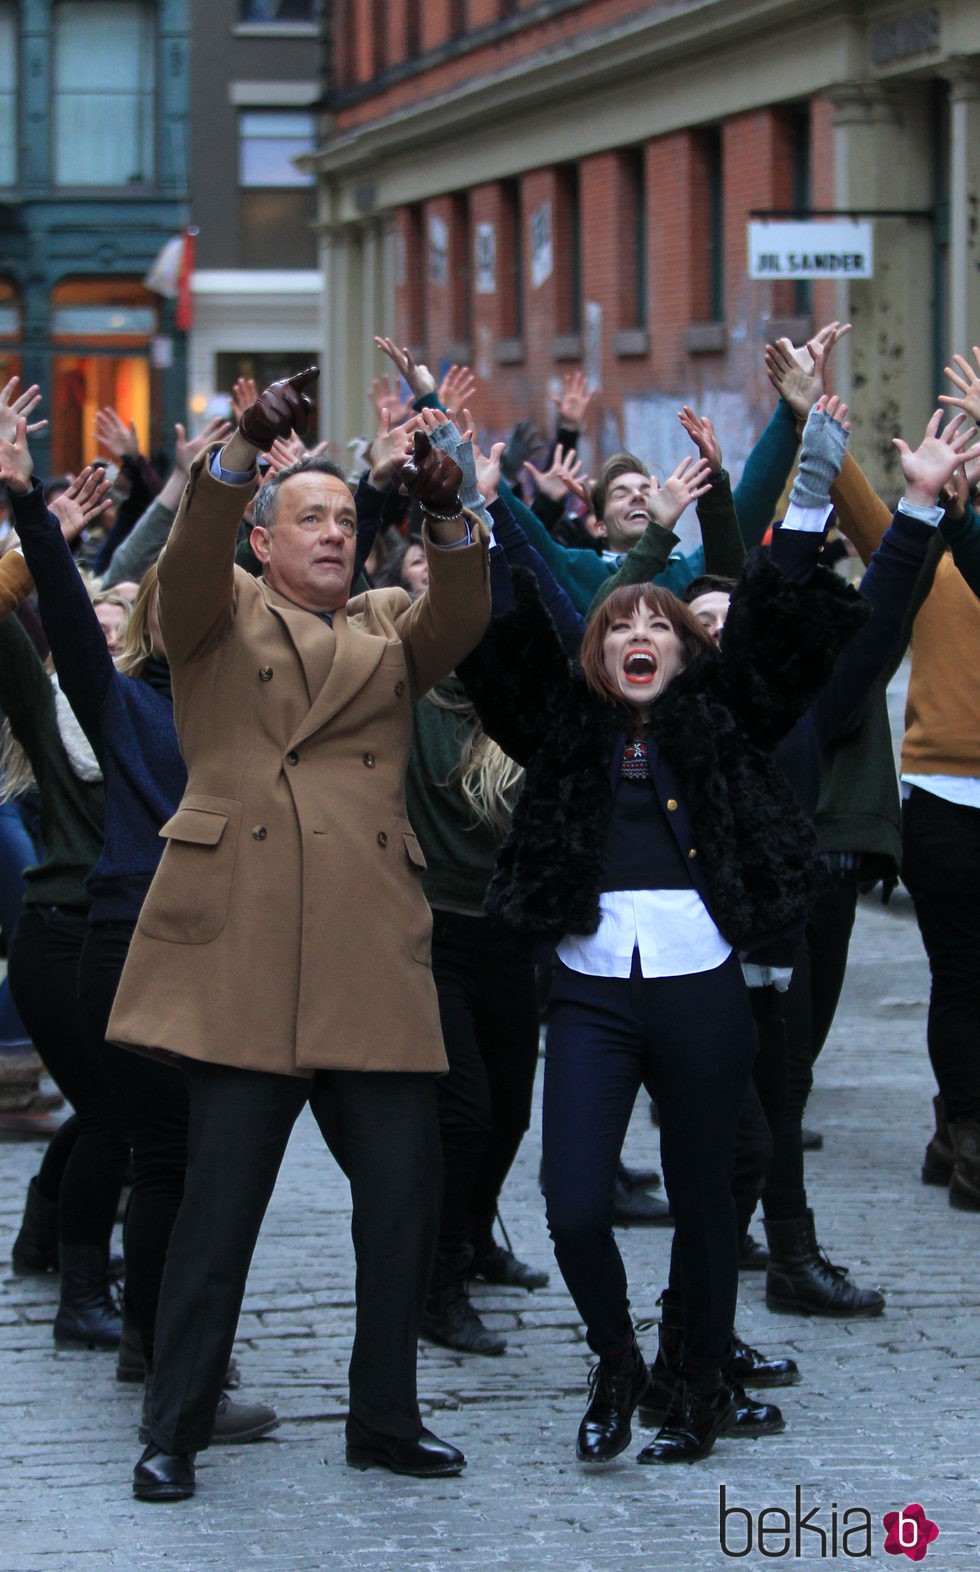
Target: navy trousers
<point x="692" y="1041"/>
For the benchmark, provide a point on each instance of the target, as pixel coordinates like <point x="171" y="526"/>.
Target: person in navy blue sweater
<point x="126" y="712"/>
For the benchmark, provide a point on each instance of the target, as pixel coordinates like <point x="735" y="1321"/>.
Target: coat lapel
<point x="356" y="657"/>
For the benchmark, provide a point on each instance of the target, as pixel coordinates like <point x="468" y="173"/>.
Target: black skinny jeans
<point x="488" y="1009"/>
<point x="42" y="965"/>
<point x="940" y="867"/>
<point x="692" y="1041"/>
<point x="153" y="1099"/>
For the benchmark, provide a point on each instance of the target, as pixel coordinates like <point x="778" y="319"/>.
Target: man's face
<point x="627" y="511"/>
<point x="308" y="556"/>
<point x="711" y="609"/>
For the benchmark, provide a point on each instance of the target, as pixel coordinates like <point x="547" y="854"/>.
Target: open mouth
<point x="638" y="516"/>
<point x="640" y="666"/>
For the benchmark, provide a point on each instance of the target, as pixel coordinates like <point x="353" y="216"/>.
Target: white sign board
<point x="833" y="248"/>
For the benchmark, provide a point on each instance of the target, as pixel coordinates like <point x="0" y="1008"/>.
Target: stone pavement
<point x="885" y="1415"/>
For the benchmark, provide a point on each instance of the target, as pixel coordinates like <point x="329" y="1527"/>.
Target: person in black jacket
<point x="655" y="839"/>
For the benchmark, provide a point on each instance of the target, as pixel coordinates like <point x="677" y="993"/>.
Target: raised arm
<point x="148" y="536"/>
<point x="78" y="646"/>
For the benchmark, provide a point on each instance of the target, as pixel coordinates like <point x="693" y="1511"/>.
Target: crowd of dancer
<point x="265" y="720"/>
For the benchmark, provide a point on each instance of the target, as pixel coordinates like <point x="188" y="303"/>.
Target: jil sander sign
<point x="837" y="248"/>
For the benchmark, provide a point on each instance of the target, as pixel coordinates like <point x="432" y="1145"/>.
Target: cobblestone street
<point x="885" y="1414"/>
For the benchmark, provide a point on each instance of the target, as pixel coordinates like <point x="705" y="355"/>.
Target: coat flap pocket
<point x="200" y="826"/>
<point x="415" y="853"/>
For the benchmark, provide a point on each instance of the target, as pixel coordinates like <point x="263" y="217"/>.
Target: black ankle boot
<point x="751" y="1418"/>
<point x="616" y="1385"/>
<point x="748" y="1366"/>
<point x="36" y="1247"/>
<point x="698" y="1414"/>
<point x="86" y="1314"/>
<point x="449" y="1317"/>
<point x="800" y="1278"/>
<point x="940" y="1157"/>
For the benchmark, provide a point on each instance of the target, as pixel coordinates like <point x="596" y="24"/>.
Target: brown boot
<point x="964" y="1184"/>
<point x="937" y="1164"/>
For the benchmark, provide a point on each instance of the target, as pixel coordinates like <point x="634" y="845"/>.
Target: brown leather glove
<point x="280" y="410"/>
<point x="433" y="478"/>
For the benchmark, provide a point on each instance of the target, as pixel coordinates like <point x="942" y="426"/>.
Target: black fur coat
<point x="753" y="855"/>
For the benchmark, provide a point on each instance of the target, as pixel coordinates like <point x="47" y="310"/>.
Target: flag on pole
<point x="171" y="272"/>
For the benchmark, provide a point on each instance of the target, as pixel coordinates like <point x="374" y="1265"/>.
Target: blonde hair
<point x="488" y="778"/>
<point x="137" y="644"/>
<point x="16" y="769"/>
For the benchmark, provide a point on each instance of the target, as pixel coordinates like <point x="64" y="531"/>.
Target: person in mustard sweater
<point x="940" y="775"/>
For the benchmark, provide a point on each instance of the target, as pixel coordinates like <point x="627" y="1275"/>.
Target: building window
<point x="101" y="330"/>
<point x="511" y="264"/>
<point x="268" y="142"/>
<point x="461" y="270"/>
<point x="568" y="250"/>
<point x="708" y="236"/>
<point x="266" y="11"/>
<point x="379" y="38"/>
<point x="413" y="28"/>
<point x="633" y="256"/>
<point x="457" y="18"/>
<point x="104" y="93"/>
<point x="8" y="95"/>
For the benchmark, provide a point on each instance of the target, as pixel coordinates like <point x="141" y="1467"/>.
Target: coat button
<point x="369" y="761"/>
<point x="692" y="853"/>
<point x="399" y="689"/>
<point x="292" y="757"/>
<point x="671" y="805"/>
<point x="265" y="673"/>
<point x="382" y="839"/>
<point x="259" y="833"/>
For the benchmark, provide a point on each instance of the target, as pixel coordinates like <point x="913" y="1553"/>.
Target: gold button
<point x="292" y="757"/>
<point x="259" y="833"/>
<point x="399" y="689"/>
<point x="671" y="805"/>
<point x="265" y="674"/>
<point x="692" y="852"/>
<point x="382" y="839"/>
<point x="369" y="760"/>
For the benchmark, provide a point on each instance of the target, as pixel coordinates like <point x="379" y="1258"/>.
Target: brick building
<point x="530" y="185"/>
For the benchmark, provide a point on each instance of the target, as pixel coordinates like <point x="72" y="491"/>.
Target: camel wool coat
<point x="286" y="929"/>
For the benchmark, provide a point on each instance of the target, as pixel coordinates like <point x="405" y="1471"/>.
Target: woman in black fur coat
<point x="655" y="839"/>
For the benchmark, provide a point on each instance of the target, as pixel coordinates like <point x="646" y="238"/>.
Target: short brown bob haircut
<point x="694" y="638"/>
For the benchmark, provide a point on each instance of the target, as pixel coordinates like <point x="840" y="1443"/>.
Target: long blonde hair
<point x="16" y="769"/>
<point x="137" y="645"/>
<point x="488" y="778"/>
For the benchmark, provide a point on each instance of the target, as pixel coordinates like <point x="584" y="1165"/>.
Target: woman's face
<point x="642" y="654"/>
<point x="415" y="571"/>
<point x="111" y="620"/>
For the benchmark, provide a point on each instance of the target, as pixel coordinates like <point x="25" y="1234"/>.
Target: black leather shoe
<point x="502" y="1267"/>
<point x="424" y="1457"/>
<point x="752" y="1256"/>
<point x="801" y="1280"/>
<point x="163" y="1476"/>
<point x="632" y="1205"/>
<point x="751" y="1418"/>
<point x="747" y="1366"/>
<point x="615" y="1388"/>
<point x="940" y="1157"/>
<point x="692" y="1425"/>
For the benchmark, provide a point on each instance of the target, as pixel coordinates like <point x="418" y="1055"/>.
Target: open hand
<point x="419" y="377"/>
<point x="799" y="373"/>
<point x="456" y="389"/>
<point x="13" y="404"/>
<point x="85" y="499"/>
<point x="16" y="467"/>
<point x="968" y="382"/>
<point x="702" y="433"/>
<point x="928" y="467"/>
<point x="572" y="403"/>
<point x="391" y="449"/>
<point x="119" y="440"/>
<point x="688" y="482"/>
<point x="187" y="450"/>
<point x="564" y="476"/>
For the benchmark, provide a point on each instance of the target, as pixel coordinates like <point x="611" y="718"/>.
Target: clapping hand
<point x="799" y="373"/>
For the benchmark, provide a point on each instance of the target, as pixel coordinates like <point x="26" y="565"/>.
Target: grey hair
<point x="267" y="496"/>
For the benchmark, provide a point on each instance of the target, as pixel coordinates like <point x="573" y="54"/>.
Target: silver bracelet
<point x="443" y="518"/>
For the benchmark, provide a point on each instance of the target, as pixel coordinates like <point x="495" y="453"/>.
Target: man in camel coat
<point x="282" y="954"/>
